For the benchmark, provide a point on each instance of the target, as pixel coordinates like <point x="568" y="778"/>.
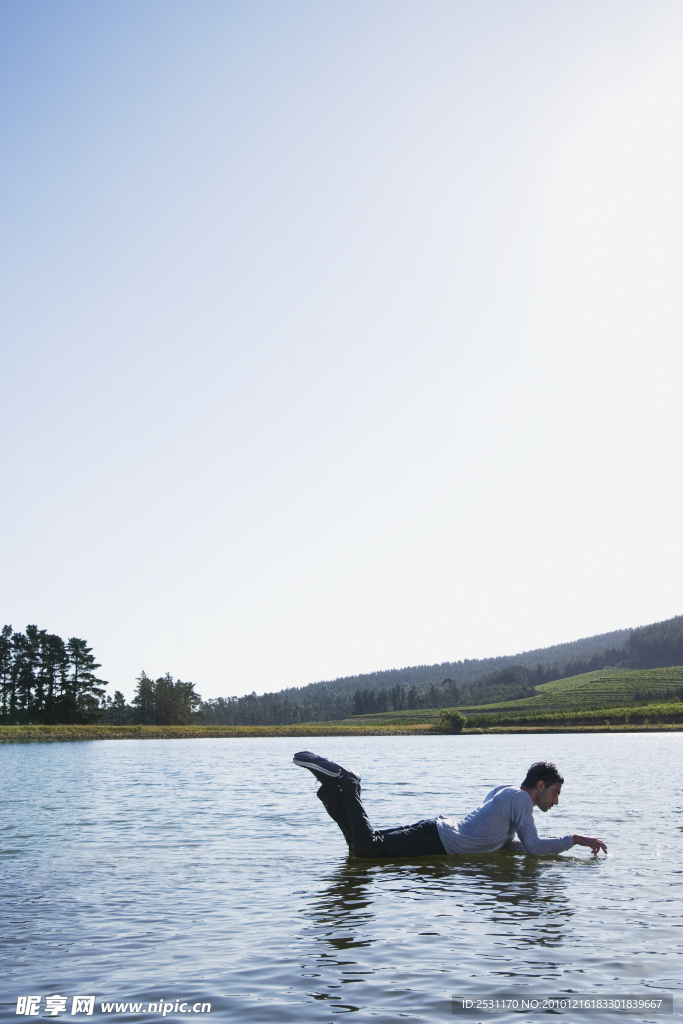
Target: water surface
<point x="208" y="870"/>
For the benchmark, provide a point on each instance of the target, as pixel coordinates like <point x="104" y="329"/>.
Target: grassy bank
<point x="69" y="733"/>
<point x="524" y="717"/>
<point x="666" y="717"/>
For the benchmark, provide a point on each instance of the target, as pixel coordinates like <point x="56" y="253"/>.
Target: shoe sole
<point x="315" y="767"/>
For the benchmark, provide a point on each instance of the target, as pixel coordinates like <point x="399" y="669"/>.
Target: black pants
<point x="341" y="799"/>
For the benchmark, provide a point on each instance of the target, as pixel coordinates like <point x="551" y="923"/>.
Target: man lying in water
<point x="506" y="811"/>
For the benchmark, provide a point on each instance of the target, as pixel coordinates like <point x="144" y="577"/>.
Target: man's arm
<point x="595" y="844"/>
<point x="522" y="817"/>
<point x="515" y="846"/>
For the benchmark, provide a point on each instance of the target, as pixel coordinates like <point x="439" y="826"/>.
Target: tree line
<point x="162" y="701"/>
<point x="657" y="645"/>
<point x="45" y="680"/>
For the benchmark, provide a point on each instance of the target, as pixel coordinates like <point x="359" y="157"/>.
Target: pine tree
<point x="144" y="700"/>
<point x="80" y="690"/>
<point x="7" y="698"/>
<point x="52" y="674"/>
<point x="117" y="712"/>
<point x="23" y="672"/>
<point x="165" y="702"/>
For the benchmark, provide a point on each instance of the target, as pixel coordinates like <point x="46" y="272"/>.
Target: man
<point x="506" y="811"/>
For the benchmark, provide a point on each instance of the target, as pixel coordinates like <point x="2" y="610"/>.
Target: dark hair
<point x="542" y="771"/>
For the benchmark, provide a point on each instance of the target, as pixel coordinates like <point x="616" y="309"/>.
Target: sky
<point x="338" y="337"/>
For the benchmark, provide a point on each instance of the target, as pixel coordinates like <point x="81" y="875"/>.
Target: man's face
<point x="547" y="796"/>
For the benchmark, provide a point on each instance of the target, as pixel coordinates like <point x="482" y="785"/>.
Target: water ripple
<point x="206" y="870"/>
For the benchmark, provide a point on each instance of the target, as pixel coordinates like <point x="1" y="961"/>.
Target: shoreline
<point x="84" y="733"/>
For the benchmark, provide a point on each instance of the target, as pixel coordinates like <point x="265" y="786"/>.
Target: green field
<point x="670" y="712"/>
<point x="608" y="688"/>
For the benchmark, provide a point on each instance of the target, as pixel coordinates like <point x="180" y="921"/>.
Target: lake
<point x="206" y="871"/>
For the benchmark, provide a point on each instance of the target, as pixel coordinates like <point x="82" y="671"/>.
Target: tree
<point x="81" y="690"/>
<point x="144" y="700"/>
<point x="452" y="720"/>
<point x="451" y="693"/>
<point x="53" y="675"/>
<point x="6" y="684"/>
<point x="165" y="702"/>
<point x="42" y="679"/>
<point x="24" y="670"/>
<point x="176" y="703"/>
<point x="117" y="712"/>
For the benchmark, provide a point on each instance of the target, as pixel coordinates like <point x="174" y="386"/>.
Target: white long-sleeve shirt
<point x="505" y="811"/>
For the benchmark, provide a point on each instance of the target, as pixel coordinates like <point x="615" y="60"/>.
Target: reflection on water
<point x="508" y="887"/>
<point x="208" y="870"/>
<point x="343" y="908"/>
<point x="522" y="900"/>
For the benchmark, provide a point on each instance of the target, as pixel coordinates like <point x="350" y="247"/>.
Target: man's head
<point x="543" y="783"/>
<point x="544" y="771"/>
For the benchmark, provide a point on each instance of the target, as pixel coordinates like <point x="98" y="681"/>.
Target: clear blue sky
<point x="339" y="336"/>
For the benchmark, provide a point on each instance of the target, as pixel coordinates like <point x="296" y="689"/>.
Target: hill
<point x="657" y="644"/>
<point x="609" y="688"/>
<point x="461" y="683"/>
<point x="471" y="669"/>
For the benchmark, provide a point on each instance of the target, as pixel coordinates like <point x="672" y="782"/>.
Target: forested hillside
<point x="452" y="684"/>
<point x="468" y="671"/>
<point x="658" y="645"/>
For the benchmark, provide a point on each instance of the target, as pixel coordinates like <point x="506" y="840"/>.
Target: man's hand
<point x="595" y="844"/>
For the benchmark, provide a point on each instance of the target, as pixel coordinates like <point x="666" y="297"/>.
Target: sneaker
<point x="321" y="767"/>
